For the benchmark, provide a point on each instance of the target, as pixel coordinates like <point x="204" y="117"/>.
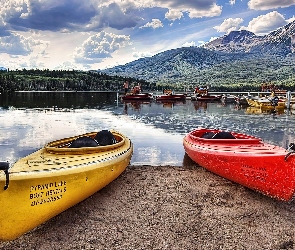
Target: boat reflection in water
<point x="200" y="105"/>
<point x="135" y="105"/>
<point x="170" y="103"/>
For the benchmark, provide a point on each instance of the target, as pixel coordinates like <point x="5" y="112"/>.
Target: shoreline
<point x="168" y="207"/>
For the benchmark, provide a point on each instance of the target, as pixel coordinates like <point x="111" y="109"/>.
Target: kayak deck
<point x="53" y="179"/>
<point x="244" y="159"/>
<point x="57" y="155"/>
<point x="240" y="143"/>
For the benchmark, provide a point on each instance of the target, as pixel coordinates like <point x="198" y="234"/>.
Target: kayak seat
<point x="223" y="135"/>
<point x="84" y="141"/>
<point x="105" y="137"/>
<point x="208" y="135"/>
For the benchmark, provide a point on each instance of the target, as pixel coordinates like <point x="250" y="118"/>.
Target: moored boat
<point x="254" y="110"/>
<point x="171" y="97"/>
<point x="226" y="98"/>
<point x="207" y="97"/>
<point x="244" y="159"/>
<point x="266" y="102"/>
<point x="138" y="97"/>
<point x="241" y="100"/>
<point x="58" y="176"/>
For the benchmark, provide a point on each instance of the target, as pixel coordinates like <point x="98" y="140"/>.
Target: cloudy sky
<point x="96" y="34"/>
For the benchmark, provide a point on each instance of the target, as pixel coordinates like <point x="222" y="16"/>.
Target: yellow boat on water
<point x="55" y="178"/>
<point x="254" y="110"/>
<point x="265" y="103"/>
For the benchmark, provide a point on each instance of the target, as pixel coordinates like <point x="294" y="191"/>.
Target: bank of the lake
<point x="165" y="207"/>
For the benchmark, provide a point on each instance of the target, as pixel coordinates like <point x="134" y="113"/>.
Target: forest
<point x="64" y="80"/>
<point x="73" y="80"/>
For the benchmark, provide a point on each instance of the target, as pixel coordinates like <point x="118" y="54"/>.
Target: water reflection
<point x="29" y="120"/>
<point x="170" y="103"/>
<point x="134" y="105"/>
<point x="57" y="99"/>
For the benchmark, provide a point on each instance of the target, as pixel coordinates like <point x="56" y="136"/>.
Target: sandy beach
<point x="168" y="207"/>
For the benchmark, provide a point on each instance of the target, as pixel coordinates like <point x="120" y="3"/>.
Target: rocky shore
<point x="168" y="207"/>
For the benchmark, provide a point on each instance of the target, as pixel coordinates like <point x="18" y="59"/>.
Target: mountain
<point x="171" y="64"/>
<point x="281" y="41"/>
<point x="241" y="57"/>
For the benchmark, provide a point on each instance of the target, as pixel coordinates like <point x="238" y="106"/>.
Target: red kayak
<point x="244" y="159"/>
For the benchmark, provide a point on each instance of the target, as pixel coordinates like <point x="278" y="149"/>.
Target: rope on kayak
<point x="291" y="147"/>
<point x="5" y="166"/>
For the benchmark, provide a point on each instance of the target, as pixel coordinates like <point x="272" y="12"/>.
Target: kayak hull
<point x="246" y="160"/>
<point x="48" y="182"/>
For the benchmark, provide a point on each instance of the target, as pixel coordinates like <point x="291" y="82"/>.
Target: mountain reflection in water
<point x="31" y="119"/>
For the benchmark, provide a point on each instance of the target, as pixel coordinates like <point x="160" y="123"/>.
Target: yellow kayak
<point x="56" y="177"/>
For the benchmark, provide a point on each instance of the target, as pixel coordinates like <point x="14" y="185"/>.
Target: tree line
<point x="64" y="80"/>
<point x="73" y="80"/>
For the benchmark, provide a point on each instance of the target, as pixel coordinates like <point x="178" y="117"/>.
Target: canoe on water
<point x="171" y="97"/>
<point x="58" y="176"/>
<point x="244" y="159"/>
<point x="137" y="97"/>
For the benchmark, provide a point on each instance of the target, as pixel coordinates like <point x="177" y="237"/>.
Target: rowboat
<point x="137" y="97"/>
<point x="58" y="176"/>
<point x="227" y="98"/>
<point x="205" y="98"/>
<point x="171" y="97"/>
<point x="244" y="159"/>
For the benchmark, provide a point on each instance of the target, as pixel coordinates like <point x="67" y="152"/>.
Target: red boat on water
<point x="138" y="97"/>
<point x="171" y="97"/>
<point x="244" y="159"/>
<point x="207" y="97"/>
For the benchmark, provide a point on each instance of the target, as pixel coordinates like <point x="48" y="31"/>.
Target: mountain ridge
<point x="240" y="49"/>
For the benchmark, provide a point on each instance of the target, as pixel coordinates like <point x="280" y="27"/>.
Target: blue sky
<point x="96" y="34"/>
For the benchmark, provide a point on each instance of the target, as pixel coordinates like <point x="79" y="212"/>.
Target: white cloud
<point x="232" y="2"/>
<point x="172" y="15"/>
<point x="155" y="23"/>
<point x="19" y="62"/>
<point x="214" y="10"/>
<point x="264" y="24"/>
<point x="229" y="24"/>
<point x="16" y="44"/>
<point x="189" y="44"/>
<point x="195" y="8"/>
<point x="213" y="38"/>
<point x="100" y="46"/>
<point x="141" y="54"/>
<point x="200" y="43"/>
<point x="269" y="4"/>
<point x="67" y="65"/>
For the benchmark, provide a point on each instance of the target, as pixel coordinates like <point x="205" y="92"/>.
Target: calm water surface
<point x="30" y="120"/>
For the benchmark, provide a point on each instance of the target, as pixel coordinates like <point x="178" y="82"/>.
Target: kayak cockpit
<point x="86" y="143"/>
<point x="223" y="137"/>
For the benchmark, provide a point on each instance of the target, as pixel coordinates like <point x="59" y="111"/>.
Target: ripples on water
<point x="156" y="129"/>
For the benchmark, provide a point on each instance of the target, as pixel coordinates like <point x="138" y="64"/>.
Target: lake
<point x="31" y="119"/>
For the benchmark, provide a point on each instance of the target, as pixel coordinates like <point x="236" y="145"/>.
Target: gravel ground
<point x="168" y="207"/>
